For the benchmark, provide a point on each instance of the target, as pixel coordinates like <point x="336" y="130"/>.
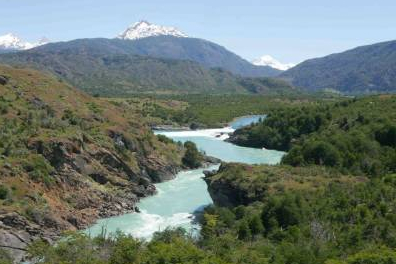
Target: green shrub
<point x="383" y="256"/>
<point x="165" y="139"/>
<point x="3" y="192"/>
<point x="5" y="257"/>
<point x="39" y="169"/>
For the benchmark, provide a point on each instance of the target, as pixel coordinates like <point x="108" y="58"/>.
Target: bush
<point x="39" y="169"/>
<point x="384" y="256"/>
<point x="165" y="139"/>
<point x="3" y="192"/>
<point x="4" y="257"/>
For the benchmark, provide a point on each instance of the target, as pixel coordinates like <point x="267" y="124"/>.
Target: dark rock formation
<point x="3" y="80"/>
<point x="225" y="191"/>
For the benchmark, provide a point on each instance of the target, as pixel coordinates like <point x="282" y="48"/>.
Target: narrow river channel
<point x="177" y="200"/>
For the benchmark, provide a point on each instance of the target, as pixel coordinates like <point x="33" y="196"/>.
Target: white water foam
<point x="151" y="223"/>
<point x="219" y="133"/>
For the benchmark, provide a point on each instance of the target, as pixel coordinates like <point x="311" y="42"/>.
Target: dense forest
<point x="356" y="136"/>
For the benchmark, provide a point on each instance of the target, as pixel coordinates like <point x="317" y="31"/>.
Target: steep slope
<point x="109" y="67"/>
<point x="364" y="69"/>
<point x="67" y="159"/>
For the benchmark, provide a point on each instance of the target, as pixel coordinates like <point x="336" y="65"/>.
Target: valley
<point x="156" y="146"/>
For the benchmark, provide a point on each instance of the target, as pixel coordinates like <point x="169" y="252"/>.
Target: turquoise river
<point x="177" y="200"/>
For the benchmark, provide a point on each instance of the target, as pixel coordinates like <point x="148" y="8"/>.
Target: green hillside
<point x="366" y="69"/>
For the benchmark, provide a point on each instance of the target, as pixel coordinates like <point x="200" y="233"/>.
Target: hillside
<point x="206" y="53"/>
<point x="106" y="67"/>
<point x="67" y="159"/>
<point x="366" y="69"/>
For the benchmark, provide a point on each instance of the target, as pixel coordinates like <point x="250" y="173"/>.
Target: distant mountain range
<point x="148" y="58"/>
<point x="10" y="42"/>
<point x="115" y="67"/>
<point x="365" y="69"/>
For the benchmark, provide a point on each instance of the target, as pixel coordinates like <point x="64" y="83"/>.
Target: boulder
<point x="3" y="80"/>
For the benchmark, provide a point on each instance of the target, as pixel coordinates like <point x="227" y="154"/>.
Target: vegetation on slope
<point x="208" y="110"/>
<point x="67" y="159"/>
<point x="110" y="67"/>
<point x="366" y="69"/>
<point x="301" y="215"/>
<point x="202" y="51"/>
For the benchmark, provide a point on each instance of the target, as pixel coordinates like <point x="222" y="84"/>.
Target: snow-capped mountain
<point x="267" y="60"/>
<point x="12" y="42"/>
<point x="144" y="29"/>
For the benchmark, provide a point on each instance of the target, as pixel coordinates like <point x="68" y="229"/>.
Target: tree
<point x="209" y="225"/>
<point x="255" y="225"/>
<point x="244" y="231"/>
<point x="240" y="212"/>
<point x="192" y="157"/>
<point x="321" y="153"/>
<point x="126" y="250"/>
<point x="386" y="136"/>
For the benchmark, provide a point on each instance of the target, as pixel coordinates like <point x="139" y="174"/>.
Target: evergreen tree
<point x="244" y="231"/>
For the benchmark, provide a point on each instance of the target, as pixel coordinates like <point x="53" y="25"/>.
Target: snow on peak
<point x="267" y="60"/>
<point x="12" y="42"/>
<point x="144" y="29"/>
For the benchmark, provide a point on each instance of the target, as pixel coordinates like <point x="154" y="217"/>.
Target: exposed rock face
<point x="16" y="232"/>
<point x="74" y="161"/>
<point x="227" y="192"/>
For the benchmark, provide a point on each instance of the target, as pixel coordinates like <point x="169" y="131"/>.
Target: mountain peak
<point x="12" y="42"/>
<point x="268" y="60"/>
<point x="144" y="29"/>
<point x="141" y="23"/>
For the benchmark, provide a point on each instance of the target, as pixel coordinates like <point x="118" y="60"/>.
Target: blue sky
<point x="291" y="31"/>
